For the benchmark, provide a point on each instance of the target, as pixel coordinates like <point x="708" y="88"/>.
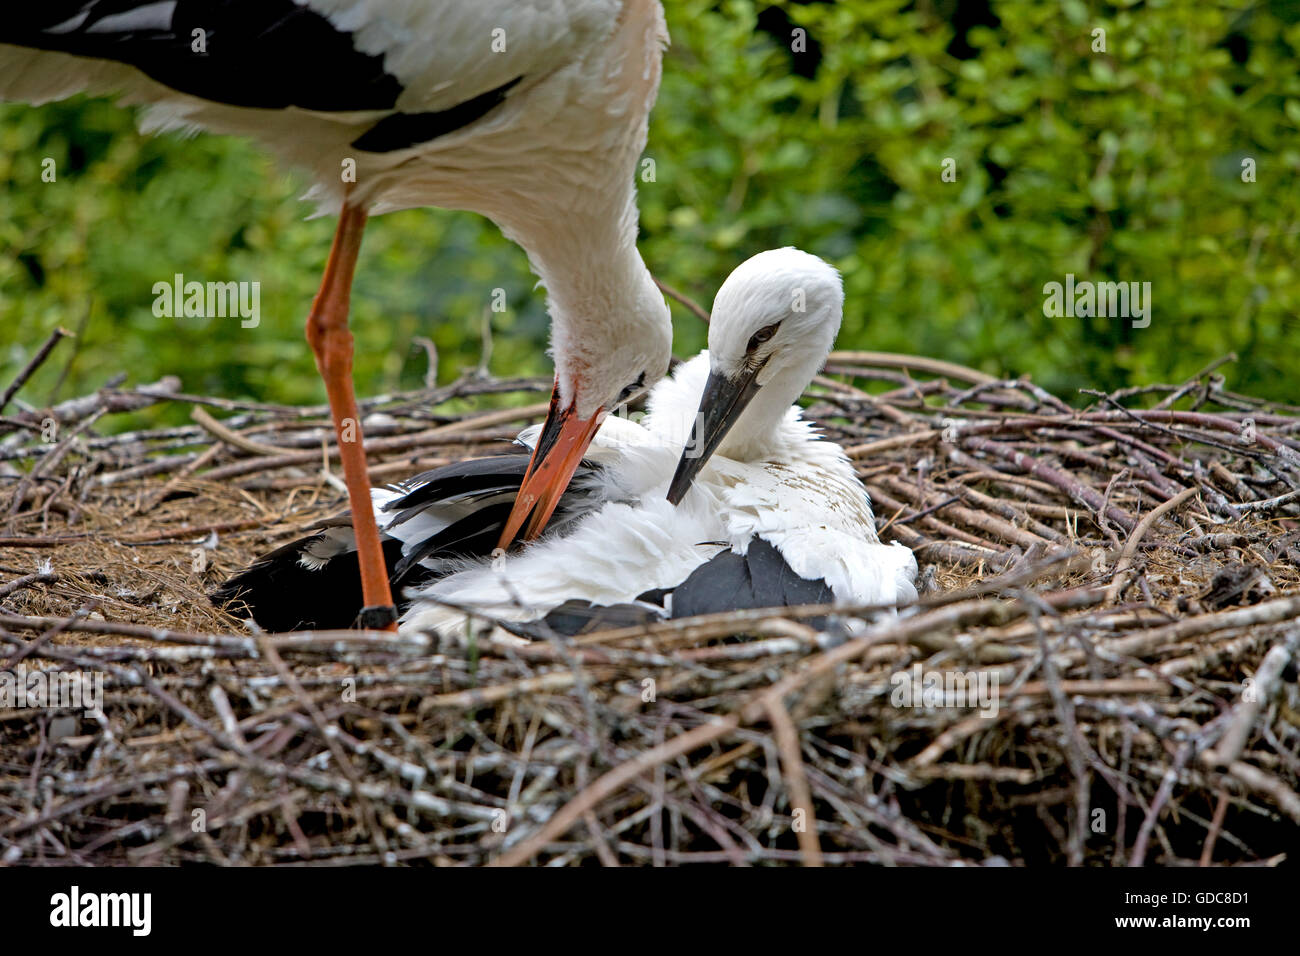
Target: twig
<point x="32" y="365"/>
<point x="1143" y="526"/>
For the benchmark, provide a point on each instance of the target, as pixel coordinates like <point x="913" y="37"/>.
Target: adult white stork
<point x="757" y="510"/>
<point x="531" y="112"/>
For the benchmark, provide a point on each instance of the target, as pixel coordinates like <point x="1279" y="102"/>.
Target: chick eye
<point x="636" y="386"/>
<point x="761" y="336"/>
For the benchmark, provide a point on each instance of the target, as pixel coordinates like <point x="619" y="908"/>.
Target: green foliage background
<point x="1117" y="166"/>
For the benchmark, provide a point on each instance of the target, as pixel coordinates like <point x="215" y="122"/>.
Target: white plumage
<point x="772" y="477"/>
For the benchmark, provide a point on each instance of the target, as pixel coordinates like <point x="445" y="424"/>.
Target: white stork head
<point x="773" y="324"/>
<point x="611" y="342"/>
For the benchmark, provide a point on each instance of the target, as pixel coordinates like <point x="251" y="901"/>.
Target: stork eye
<point x="632" y="389"/>
<point x="761" y="336"/>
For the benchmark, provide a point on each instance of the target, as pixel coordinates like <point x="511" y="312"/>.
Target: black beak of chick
<point x="721" y="404"/>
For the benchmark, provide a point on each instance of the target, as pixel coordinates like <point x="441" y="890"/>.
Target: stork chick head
<point x="774" y="322"/>
<point x="778" y="311"/>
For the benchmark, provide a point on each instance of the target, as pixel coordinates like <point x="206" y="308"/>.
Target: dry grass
<point x="1129" y="575"/>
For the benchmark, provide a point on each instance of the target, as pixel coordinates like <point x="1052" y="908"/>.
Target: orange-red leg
<point x="331" y="342"/>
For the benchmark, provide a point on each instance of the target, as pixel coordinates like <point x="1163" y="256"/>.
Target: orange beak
<point x="564" y="440"/>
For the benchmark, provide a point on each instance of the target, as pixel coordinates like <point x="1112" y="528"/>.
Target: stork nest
<point x="1122" y="581"/>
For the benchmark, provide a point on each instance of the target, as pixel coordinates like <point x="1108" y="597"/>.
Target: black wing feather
<point x="265" y="54"/>
<point x="261" y="54"/>
<point x="281" y="595"/>
<point x="473" y="536"/>
<point x="729" y="582"/>
<point x="759" y="578"/>
<point x="478" y="476"/>
<point x="582" y="617"/>
<point x="404" y="130"/>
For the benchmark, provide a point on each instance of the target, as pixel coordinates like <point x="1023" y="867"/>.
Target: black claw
<point x="377" y="616"/>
